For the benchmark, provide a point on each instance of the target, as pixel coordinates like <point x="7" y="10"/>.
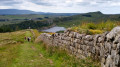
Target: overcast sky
<point x="64" y="6"/>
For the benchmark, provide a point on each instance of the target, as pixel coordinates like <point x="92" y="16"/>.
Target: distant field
<point x="10" y="19"/>
<point x="25" y="16"/>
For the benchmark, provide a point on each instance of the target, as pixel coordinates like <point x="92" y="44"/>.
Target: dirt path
<point x="29" y="56"/>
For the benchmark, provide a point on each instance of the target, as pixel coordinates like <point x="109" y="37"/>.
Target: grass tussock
<point x="95" y="28"/>
<point x="12" y="37"/>
<point x="61" y="58"/>
<point x="36" y="32"/>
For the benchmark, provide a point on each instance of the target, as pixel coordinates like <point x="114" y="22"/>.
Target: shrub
<point x="60" y="32"/>
<point x="91" y="26"/>
<point x="95" y="31"/>
<point x="95" y="28"/>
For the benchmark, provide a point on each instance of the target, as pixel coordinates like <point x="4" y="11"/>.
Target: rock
<point x="83" y="47"/>
<point x="108" y="61"/>
<point x="71" y="34"/>
<point x="74" y="34"/>
<point x="114" y="46"/>
<point x="113" y="53"/>
<point x="68" y="38"/>
<point x="71" y="48"/>
<point x="78" y="46"/>
<point x="89" y="37"/>
<point x="79" y="51"/>
<point x="89" y="54"/>
<point x="100" y="39"/>
<point x="103" y="60"/>
<point x="102" y="51"/>
<point x="96" y="39"/>
<point x="117" y="40"/>
<point x="79" y="36"/>
<point x="91" y="43"/>
<point x="102" y="65"/>
<point x="77" y="40"/>
<point x="118" y="46"/>
<point x="108" y="47"/>
<point x="87" y="48"/>
<point x="117" y="60"/>
<point x="93" y="50"/>
<point x="66" y="31"/>
<point x="86" y="42"/>
<point x="113" y="33"/>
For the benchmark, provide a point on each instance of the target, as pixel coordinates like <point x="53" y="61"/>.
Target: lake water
<point x="55" y="29"/>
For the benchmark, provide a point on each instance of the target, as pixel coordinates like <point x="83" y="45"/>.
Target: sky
<point x="64" y="6"/>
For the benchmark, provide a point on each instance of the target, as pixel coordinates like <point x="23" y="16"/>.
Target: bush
<point x="60" y="32"/>
<point x="95" y="31"/>
<point x="95" y="28"/>
<point x="91" y="26"/>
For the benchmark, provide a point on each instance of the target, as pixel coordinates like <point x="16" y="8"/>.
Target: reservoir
<point x="54" y="29"/>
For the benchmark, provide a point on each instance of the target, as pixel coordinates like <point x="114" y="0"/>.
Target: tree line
<point x="24" y="25"/>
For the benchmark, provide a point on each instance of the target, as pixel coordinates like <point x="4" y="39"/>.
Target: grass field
<point x="24" y="16"/>
<point x="19" y="18"/>
<point x="20" y="53"/>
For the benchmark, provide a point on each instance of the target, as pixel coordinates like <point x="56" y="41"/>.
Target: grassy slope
<point x="20" y="17"/>
<point x="96" y="17"/>
<point x="25" y="16"/>
<point x="28" y="54"/>
<point x="21" y="55"/>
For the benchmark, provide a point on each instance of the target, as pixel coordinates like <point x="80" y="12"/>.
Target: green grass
<point x="21" y="55"/>
<point x="24" y="16"/>
<point x="95" y="28"/>
<point x="61" y="58"/>
<point x="9" y="45"/>
<point x="94" y="17"/>
<point x="20" y="17"/>
<point x="29" y="54"/>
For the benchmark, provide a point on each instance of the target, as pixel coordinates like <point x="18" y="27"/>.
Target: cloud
<point x="5" y="7"/>
<point x="63" y="6"/>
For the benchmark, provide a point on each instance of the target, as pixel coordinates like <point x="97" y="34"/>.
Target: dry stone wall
<point x="105" y="47"/>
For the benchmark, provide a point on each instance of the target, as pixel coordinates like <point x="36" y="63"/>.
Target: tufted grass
<point x="9" y="44"/>
<point x="61" y="58"/>
<point x="95" y="28"/>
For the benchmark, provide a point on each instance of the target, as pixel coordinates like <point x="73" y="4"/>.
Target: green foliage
<point x="13" y="19"/>
<point x="94" y="17"/>
<point x="25" y="25"/>
<point x="95" y="28"/>
<point x="108" y="25"/>
<point x="60" y="32"/>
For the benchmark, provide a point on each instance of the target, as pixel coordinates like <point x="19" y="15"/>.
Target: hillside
<point x="18" y="22"/>
<point x="12" y="19"/>
<point x="94" y="17"/>
<point x="15" y="11"/>
<point x="17" y="52"/>
<point x="12" y="16"/>
<point x="25" y="25"/>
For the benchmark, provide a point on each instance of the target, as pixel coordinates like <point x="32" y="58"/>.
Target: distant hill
<point x="16" y="12"/>
<point x="94" y="17"/>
